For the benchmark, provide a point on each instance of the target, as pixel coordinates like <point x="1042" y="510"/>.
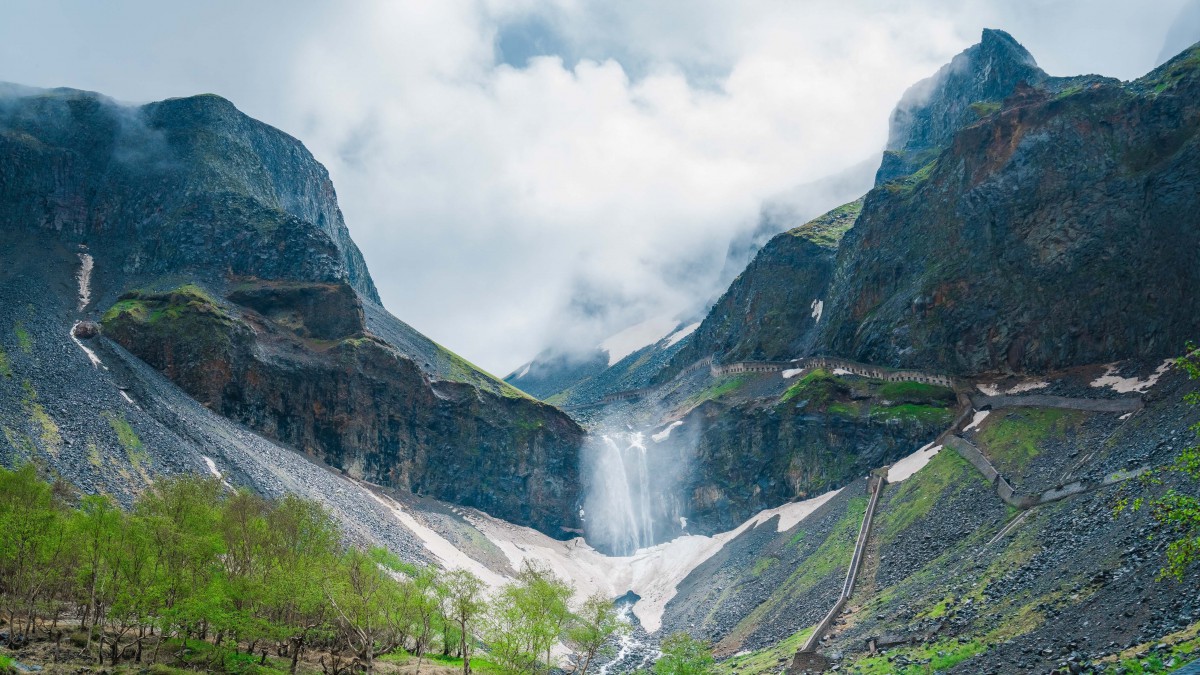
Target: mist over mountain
<point x="934" y="412"/>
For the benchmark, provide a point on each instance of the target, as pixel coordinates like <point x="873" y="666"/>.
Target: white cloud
<point x="504" y="208"/>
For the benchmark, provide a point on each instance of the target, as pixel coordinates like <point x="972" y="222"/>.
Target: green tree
<point x="97" y="524"/>
<point x="594" y="626"/>
<point x="304" y="542"/>
<point x="526" y="619"/>
<point x="363" y="600"/>
<point x="181" y="517"/>
<point x="683" y="654"/>
<point x="34" y="537"/>
<point x="462" y="602"/>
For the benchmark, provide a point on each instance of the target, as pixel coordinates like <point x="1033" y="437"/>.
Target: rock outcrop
<point x="216" y="245"/>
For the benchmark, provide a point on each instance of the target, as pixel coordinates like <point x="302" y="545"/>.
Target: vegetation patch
<point x="154" y="307"/>
<point x="128" y="438"/>
<point x="766" y="660"/>
<point x="915" y="392"/>
<point x="24" y="339"/>
<point x="832" y="557"/>
<point x="827" y="230"/>
<point x="934" y="657"/>
<point x="47" y="430"/>
<point x="721" y="387"/>
<point x="5" y="366"/>
<point x="985" y="108"/>
<point x="924" y="414"/>
<point x="93" y="454"/>
<point x="1012" y="441"/>
<point x="906" y="185"/>
<point x="849" y="410"/>
<point x="945" y="474"/>
<point x="1175" y="72"/>
<point x="763" y="564"/>
<point x="1161" y="656"/>
<point x="817" y="387"/>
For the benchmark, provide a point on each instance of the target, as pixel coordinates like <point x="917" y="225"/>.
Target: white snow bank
<point x="524" y="371"/>
<point x="665" y="433"/>
<point x="841" y="371"/>
<point x="635" y="337"/>
<point x="1125" y="385"/>
<point x="980" y="416"/>
<point x="653" y="573"/>
<point x="817" y="307"/>
<point x="792" y="372"/>
<point x="912" y="464"/>
<point x="681" y="333"/>
<point x="450" y="558"/>
<point x="126" y="397"/>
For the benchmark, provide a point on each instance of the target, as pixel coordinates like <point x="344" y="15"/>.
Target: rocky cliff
<point x="219" y="256"/>
<point x="1021" y="223"/>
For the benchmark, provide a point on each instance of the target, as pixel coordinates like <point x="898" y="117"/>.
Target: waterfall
<point x="618" y="508"/>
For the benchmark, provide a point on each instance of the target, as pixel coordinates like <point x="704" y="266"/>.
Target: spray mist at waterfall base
<point x="630" y="501"/>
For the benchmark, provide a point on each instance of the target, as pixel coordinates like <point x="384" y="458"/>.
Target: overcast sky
<point x="523" y="173"/>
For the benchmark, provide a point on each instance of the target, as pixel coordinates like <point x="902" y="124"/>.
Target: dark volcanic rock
<point x="86" y="330"/>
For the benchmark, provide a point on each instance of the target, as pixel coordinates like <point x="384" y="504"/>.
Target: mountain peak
<point x="932" y="110"/>
<point x="998" y="43"/>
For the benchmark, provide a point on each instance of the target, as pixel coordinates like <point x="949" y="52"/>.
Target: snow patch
<point x="792" y="372"/>
<point x="130" y="400"/>
<point x="818" y="307"/>
<point x="682" y="523"/>
<point x="678" y="335"/>
<point x="1028" y="386"/>
<point x="980" y="416"/>
<point x="1125" y="385"/>
<point x="841" y="371"/>
<point x="912" y="464"/>
<point x="86" y="263"/>
<point x="1125" y="416"/>
<point x="665" y="433"/>
<point x="96" y="363"/>
<point x="524" y="371"/>
<point x="654" y="573"/>
<point x="635" y="337"/>
<point x="449" y="557"/>
<point x="212" y="466"/>
<point x="1020" y="387"/>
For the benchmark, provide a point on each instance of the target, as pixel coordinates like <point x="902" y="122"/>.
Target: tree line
<point x="195" y="567"/>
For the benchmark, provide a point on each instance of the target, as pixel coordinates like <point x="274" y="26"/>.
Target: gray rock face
<point x="184" y="185"/>
<point x="1055" y="227"/>
<point x="1059" y="231"/>
<point x="221" y="258"/>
